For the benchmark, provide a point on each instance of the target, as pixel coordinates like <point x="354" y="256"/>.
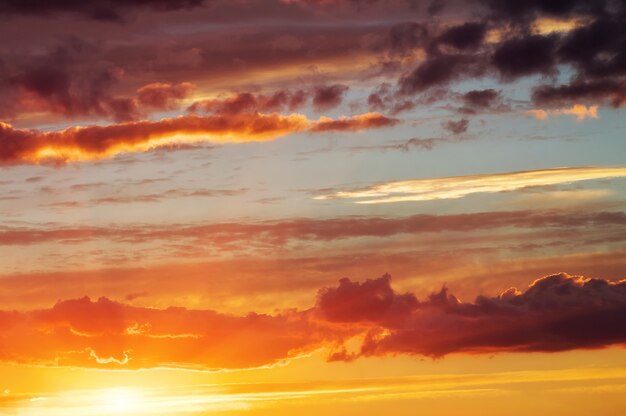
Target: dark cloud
<point x="404" y="37"/>
<point x="555" y="313"/>
<point x="328" y="97"/>
<point x="466" y="36"/>
<point x="613" y="91"/>
<point x="598" y="49"/>
<point x="527" y="55"/>
<point x="480" y="98"/>
<point x="436" y="71"/>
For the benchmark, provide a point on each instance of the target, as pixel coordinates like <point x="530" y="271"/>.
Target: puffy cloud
<point x="328" y="97"/>
<point x="372" y="301"/>
<point x="480" y="98"/>
<point x="555" y="313"/>
<point x="525" y="56"/>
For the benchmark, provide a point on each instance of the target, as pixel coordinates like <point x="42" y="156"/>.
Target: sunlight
<point x="121" y="400"/>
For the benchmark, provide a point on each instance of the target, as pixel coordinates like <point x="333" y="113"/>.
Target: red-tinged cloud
<point x="371" y="301"/>
<point x="160" y="95"/>
<point x="355" y="123"/>
<point x="96" y="142"/>
<point x="250" y="103"/>
<point x="555" y="313"/>
<point x="329" y="97"/>
<point x="279" y="233"/>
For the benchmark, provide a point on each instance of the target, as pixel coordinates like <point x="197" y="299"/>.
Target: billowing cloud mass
<point x="461" y="186"/>
<point x="95" y="142"/>
<point x="555" y="313"/>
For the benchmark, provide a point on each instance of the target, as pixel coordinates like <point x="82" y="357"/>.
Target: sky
<point x="269" y="207"/>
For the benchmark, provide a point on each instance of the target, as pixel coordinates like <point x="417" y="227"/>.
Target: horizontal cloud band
<point x="555" y="313"/>
<point x="96" y="142"/>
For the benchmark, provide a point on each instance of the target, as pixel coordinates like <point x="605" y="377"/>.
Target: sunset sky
<point x="305" y="207"/>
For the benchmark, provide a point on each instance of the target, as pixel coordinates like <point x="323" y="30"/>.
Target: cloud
<point x="612" y="91"/>
<point x="97" y="9"/>
<point x="108" y="334"/>
<point x="555" y="313"/>
<point x="437" y="71"/>
<point x="328" y="97"/>
<point x="248" y="103"/>
<point x="525" y="56"/>
<point x="371" y="301"/>
<point x="96" y="142"/>
<point x="581" y="112"/>
<point x="480" y="98"/>
<point x="160" y="95"/>
<point x="354" y="123"/>
<point x="456" y="127"/>
<point x="466" y="36"/>
<point x="461" y="186"/>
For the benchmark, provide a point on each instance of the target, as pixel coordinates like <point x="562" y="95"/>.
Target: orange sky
<point x="277" y="207"/>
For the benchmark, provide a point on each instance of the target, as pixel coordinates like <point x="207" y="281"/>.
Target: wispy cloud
<point x="461" y="186"/>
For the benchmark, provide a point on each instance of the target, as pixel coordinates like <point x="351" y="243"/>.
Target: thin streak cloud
<point x="461" y="186"/>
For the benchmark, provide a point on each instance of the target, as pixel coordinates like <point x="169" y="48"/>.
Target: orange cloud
<point x="354" y="123"/>
<point x="555" y="313"/>
<point x="96" y="142"/>
<point x="580" y="111"/>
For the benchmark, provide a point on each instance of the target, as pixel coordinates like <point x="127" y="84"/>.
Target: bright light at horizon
<point x="122" y="400"/>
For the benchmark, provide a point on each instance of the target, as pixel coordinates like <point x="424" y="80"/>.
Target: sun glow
<point x="122" y="401"/>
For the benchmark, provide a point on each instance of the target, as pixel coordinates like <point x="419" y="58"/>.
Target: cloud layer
<point x="555" y="313"/>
